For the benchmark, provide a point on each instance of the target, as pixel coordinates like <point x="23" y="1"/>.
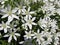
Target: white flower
<point x="20" y="8"/>
<point x="4" y="27"/>
<point x="11" y="35"/>
<point x="44" y="23"/>
<point x="39" y="37"/>
<point x="58" y="11"/>
<point x="57" y="2"/>
<point x="28" y="12"/>
<point x="29" y="22"/>
<point x="49" y="8"/>
<point x="45" y="43"/>
<point x="56" y="38"/>
<point x="9" y="13"/>
<point x="53" y="26"/>
<point x="49" y="36"/>
<point x="28" y="35"/>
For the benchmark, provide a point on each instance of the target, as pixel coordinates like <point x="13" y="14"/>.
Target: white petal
<point x="14" y="10"/>
<point x="10" y="19"/>
<point x="5" y="30"/>
<point x="14" y="16"/>
<point x="4" y="16"/>
<point x="3" y="22"/>
<point x="21" y="42"/>
<point x="38" y="31"/>
<point x="34" y="23"/>
<point x="32" y="34"/>
<point x="5" y="35"/>
<point x="30" y="31"/>
<point x="0" y="24"/>
<point x="1" y="28"/>
<point x="25" y="35"/>
<point x="26" y="32"/>
<point x="4" y="10"/>
<point x="10" y="38"/>
<point x="29" y="37"/>
<point x="38" y="41"/>
<point x="29" y="8"/>
<point x="30" y="26"/>
<point x="58" y="34"/>
<point x="33" y="18"/>
<point x="8" y="26"/>
<point x="24" y="10"/>
<point x="2" y="2"/>
<point x="15" y="38"/>
<point x="30" y="16"/>
<point x="8" y="22"/>
<point x="23" y="21"/>
<point x="17" y="34"/>
<point x="26" y="18"/>
<point x="32" y="12"/>
<point x="34" y="37"/>
<point x="42" y="39"/>
<point x="19" y="11"/>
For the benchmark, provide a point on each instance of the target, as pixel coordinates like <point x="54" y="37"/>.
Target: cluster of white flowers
<point x="19" y="17"/>
<point x="47" y="23"/>
<point x="51" y="7"/>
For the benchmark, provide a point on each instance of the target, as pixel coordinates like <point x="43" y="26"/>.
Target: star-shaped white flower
<point x="49" y="8"/>
<point x="20" y="9"/>
<point x="39" y="36"/>
<point x="4" y="26"/>
<point x="28" y="22"/>
<point x="44" y="23"/>
<point x="11" y="35"/>
<point x="28" y="12"/>
<point x="49" y="36"/>
<point x="9" y="13"/>
<point x="28" y="35"/>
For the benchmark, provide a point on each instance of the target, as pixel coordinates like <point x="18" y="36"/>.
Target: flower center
<point x="29" y="35"/>
<point x="30" y="21"/>
<point x="4" y="25"/>
<point x="12" y="33"/>
<point x="9" y="12"/>
<point x="27" y="12"/>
